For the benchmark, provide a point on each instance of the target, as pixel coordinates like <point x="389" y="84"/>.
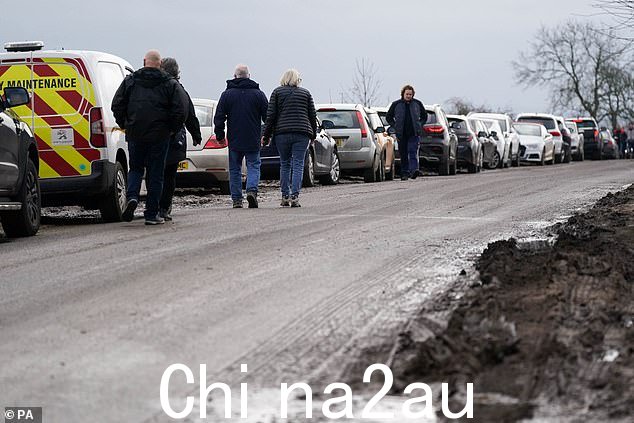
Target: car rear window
<point x="431" y="117"/>
<point x="204" y="115"/>
<point x="383" y="115"/>
<point x="528" y="130"/>
<point x="464" y="127"/>
<point x="586" y="124"/>
<point x="547" y="122"/>
<point x="342" y="119"/>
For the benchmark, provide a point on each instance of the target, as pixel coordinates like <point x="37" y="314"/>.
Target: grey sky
<point x="444" y="48"/>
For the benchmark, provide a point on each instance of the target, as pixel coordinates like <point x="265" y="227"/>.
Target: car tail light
<point x="213" y="143"/>
<point x="578" y="120"/>
<point x="364" y="130"/>
<point x="97" y="129"/>
<point x="596" y="134"/>
<point x="434" y="129"/>
<point x="555" y="133"/>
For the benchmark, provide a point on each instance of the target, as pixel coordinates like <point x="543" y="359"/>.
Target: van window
<point x="110" y="77"/>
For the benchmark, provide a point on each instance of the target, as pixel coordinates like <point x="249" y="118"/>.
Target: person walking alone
<point x="243" y="107"/>
<point x="151" y="106"/>
<point x="291" y="120"/>
<point x="177" y="151"/>
<point x="407" y="116"/>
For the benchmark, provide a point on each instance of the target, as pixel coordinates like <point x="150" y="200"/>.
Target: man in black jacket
<point x="243" y="106"/>
<point x="151" y="106"/>
<point x="407" y="116"/>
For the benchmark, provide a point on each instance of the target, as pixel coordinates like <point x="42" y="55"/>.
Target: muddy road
<point x="92" y="314"/>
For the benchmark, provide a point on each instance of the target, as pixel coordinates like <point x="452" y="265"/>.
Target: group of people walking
<point x="155" y="111"/>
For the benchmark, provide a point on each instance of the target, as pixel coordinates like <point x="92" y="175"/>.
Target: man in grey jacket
<point x="407" y="116"/>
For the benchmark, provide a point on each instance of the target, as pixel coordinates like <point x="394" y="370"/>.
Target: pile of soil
<point x="548" y="330"/>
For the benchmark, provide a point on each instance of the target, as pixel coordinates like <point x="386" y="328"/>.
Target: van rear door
<point x="62" y="95"/>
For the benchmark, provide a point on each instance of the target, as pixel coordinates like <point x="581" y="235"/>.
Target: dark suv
<point x="439" y="143"/>
<point x="592" y="145"/>
<point x="19" y="184"/>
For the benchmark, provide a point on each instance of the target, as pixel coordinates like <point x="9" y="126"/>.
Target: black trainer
<point x="156" y="220"/>
<point x="404" y="178"/>
<point x="130" y="207"/>
<point x="295" y="201"/>
<point x="416" y="174"/>
<point x="237" y="204"/>
<point x="252" y="199"/>
<point x="165" y="214"/>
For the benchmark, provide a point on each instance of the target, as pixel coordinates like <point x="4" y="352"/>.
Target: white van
<point x="83" y="154"/>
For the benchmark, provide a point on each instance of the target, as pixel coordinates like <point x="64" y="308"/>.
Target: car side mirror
<point x="327" y="124"/>
<point x="391" y="131"/>
<point x="455" y="125"/>
<point x="379" y="130"/>
<point x="16" y="96"/>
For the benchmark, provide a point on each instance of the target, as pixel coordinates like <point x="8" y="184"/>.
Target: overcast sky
<point x="444" y="48"/>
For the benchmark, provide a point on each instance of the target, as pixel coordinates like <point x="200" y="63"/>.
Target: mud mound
<point x="548" y="333"/>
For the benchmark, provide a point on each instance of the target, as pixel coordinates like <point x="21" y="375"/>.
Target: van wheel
<point x="26" y="221"/>
<point x="113" y="205"/>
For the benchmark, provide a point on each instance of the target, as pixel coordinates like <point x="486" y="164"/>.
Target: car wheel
<point x="309" y="171"/>
<point x="443" y="167"/>
<point x="495" y="161"/>
<point x="567" y="156"/>
<point x="26" y="221"/>
<point x="542" y="162"/>
<point x="516" y="162"/>
<point x="113" y="205"/>
<point x="453" y="167"/>
<point x="335" y="171"/>
<point x="225" y="188"/>
<point x="380" y="171"/>
<point x="389" y="176"/>
<point x="369" y="175"/>
<point x="480" y="161"/>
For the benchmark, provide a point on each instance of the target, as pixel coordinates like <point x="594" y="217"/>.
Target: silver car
<point x="512" y="141"/>
<point x="207" y="164"/>
<point x="551" y="124"/>
<point x="361" y="150"/>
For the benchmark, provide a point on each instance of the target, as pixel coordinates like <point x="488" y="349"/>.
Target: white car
<point x="501" y="144"/>
<point x="537" y="144"/>
<point x="576" y="145"/>
<point x="550" y="122"/>
<point x="207" y="164"/>
<point x="512" y="155"/>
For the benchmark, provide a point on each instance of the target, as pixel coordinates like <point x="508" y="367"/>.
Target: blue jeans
<point x="408" y="149"/>
<point x="149" y="157"/>
<point x="235" y="172"/>
<point x="292" y="148"/>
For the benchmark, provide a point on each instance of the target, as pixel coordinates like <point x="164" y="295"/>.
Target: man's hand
<point x="198" y="141"/>
<point x="265" y="142"/>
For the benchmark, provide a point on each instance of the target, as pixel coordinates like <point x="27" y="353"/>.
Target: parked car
<point x="501" y="144"/>
<point x="511" y="156"/>
<point x="566" y="137"/>
<point x="470" y="155"/>
<point x="360" y="151"/>
<point x="386" y="140"/>
<point x="592" y="145"/>
<point x="489" y="145"/>
<point x="321" y="161"/>
<point x="536" y="143"/>
<point x="577" y="144"/>
<point x="439" y="143"/>
<point x="551" y="124"/>
<point x="20" y="199"/>
<point x="207" y="164"/>
<point x="610" y="146"/>
<point x="83" y="154"/>
<point x="382" y="112"/>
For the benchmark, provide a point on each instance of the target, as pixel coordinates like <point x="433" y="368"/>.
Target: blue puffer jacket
<point x="243" y="106"/>
<point x="396" y="116"/>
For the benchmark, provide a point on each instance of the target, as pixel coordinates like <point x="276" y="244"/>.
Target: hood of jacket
<point x="243" y="84"/>
<point x="150" y="77"/>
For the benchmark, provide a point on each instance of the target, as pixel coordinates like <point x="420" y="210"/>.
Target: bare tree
<point x="366" y="84"/>
<point x="581" y="66"/>
<point x="462" y="106"/>
<point x="622" y="14"/>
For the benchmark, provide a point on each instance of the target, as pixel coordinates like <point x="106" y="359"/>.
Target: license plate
<point x="183" y="165"/>
<point x="340" y="141"/>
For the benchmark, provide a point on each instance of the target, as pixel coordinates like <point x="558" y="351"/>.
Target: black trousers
<point x="169" y="185"/>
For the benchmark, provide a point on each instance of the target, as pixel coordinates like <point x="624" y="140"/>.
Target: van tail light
<point x="213" y="144"/>
<point x="97" y="128"/>
<point x="434" y="129"/>
<point x="364" y="129"/>
<point x="555" y="133"/>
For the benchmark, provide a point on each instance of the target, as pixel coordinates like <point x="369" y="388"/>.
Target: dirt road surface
<point x="92" y="314"/>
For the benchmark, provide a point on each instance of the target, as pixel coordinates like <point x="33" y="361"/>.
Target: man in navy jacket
<point x="243" y="106"/>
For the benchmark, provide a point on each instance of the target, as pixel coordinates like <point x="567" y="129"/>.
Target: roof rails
<point x="23" y="46"/>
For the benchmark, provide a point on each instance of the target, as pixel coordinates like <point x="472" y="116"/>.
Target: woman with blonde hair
<point x="291" y="121"/>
